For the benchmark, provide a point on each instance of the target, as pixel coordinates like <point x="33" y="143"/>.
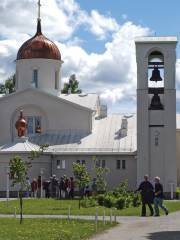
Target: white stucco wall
<point x="57" y="114"/>
<point x="46" y="74"/>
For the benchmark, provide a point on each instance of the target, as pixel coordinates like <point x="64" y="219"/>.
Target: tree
<point x="2" y="89"/>
<point x="19" y="171"/>
<point x="82" y="178"/>
<point x="9" y="85"/>
<point x="72" y="85"/>
<point x="100" y="174"/>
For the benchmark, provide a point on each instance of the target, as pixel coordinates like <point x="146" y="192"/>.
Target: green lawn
<point x="52" y="206"/>
<point x="48" y="229"/>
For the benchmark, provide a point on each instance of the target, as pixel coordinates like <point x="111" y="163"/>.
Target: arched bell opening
<point x="156" y="80"/>
<point x="156" y="69"/>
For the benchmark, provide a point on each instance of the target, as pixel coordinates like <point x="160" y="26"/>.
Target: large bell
<point x="156" y="102"/>
<point x="156" y="75"/>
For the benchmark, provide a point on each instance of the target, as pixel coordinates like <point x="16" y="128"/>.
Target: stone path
<point x="151" y="228"/>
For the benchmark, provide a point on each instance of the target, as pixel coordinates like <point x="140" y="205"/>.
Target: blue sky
<point x="95" y="38"/>
<point x="161" y="16"/>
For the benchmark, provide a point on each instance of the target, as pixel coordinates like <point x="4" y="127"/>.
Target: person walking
<point x="158" y="198"/>
<point x="147" y="195"/>
<point x="34" y="186"/>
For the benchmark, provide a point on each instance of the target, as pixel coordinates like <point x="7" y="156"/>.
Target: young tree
<point x="82" y="178"/>
<point x="72" y="85"/>
<point x="100" y="174"/>
<point x="8" y="85"/>
<point x="19" y="172"/>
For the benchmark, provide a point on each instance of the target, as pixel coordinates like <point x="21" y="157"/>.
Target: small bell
<point x="156" y="75"/>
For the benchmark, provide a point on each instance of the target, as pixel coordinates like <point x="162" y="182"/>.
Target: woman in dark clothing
<point x="147" y="195"/>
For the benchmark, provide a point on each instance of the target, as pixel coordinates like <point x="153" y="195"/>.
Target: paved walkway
<point x="151" y="228"/>
<point x="131" y="228"/>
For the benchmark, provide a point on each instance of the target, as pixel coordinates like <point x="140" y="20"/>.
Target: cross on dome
<point x="39" y="9"/>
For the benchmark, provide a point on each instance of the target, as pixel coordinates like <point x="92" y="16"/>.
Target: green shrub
<point x="109" y="201"/>
<point x="88" y="202"/>
<point x="136" y="200"/>
<point x="100" y="199"/>
<point x="120" y="203"/>
<point x="128" y="201"/>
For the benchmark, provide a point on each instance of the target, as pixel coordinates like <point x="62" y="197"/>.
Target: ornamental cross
<point x="39" y="9"/>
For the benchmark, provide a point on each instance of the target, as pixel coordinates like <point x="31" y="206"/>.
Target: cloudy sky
<point x="95" y="37"/>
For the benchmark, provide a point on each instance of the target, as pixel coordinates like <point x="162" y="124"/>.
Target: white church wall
<point x="47" y="69"/>
<point x="178" y="155"/>
<point x="114" y="177"/>
<point x="60" y="115"/>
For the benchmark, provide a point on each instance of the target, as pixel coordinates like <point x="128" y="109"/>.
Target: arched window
<point x="56" y="80"/>
<point x="35" y="78"/>
<point x="155" y="66"/>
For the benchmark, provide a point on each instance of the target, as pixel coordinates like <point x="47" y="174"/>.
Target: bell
<point x="156" y="103"/>
<point x="156" y="75"/>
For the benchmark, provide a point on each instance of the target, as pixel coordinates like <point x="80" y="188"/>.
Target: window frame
<point x="60" y="164"/>
<point x="35" y="77"/>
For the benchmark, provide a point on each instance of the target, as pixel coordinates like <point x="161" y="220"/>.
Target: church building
<point x="77" y="127"/>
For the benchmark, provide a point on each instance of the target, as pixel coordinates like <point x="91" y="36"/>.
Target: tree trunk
<point x="21" y="206"/>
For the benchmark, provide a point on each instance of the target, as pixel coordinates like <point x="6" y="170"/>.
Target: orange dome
<point x="21" y="125"/>
<point x="39" y="47"/>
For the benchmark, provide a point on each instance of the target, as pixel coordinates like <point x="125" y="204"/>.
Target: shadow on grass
<point x="166" y="235"/>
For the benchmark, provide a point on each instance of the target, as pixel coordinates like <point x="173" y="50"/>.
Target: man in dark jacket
<point x="158" y="199"/>
<point x="147" y="195"/>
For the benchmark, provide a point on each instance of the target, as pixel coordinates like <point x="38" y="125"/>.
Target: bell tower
<point x="156" y="109"/>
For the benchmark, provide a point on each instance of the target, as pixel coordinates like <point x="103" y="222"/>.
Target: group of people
<point x="58" y="188"/>
<point x="152" y="195"/>
<point x="53" y="187"/>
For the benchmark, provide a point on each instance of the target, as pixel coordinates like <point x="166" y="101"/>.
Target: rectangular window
<point x="103" y="163"/>
<point x="37" y="124"/>
<point x="123" y="164"/>
<point x="33" y="125"/>
<point x="81" y="162"/>
<point x="30" y="124"/>
<point x="58" y="164"/>
<point x="118" y="164"/>
<point x="56" y="79"/>
<point x="61" y="164"/>
<point x="35" y="78"/>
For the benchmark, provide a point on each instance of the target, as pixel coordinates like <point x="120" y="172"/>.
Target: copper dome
<point x="39" y="47"/>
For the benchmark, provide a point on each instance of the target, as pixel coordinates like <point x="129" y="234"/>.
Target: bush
<point x="120" y="203"/>
<point x="136" y="200"/>
<point x="100" y="199"/>
<point x="88" y="202"/>
<point x="128" y="201"/>
<point x="109" y="201"/>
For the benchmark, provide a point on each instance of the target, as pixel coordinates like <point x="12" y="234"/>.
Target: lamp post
<point x="41" y="174"/>
<point x="7" y="184"/>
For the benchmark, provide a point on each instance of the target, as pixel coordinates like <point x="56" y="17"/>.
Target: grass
<point x="58" y="207"/>
<point x="49" y="229"/>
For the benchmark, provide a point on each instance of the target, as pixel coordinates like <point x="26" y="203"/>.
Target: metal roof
<point x="109" y="135"/>
<point x="19" y="145"/>
<point x="86" y="100"/>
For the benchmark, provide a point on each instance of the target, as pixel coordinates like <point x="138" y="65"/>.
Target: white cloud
<point x="111" y="73"/>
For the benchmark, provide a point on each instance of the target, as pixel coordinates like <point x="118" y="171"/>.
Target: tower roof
<point x="39" y="47"/>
